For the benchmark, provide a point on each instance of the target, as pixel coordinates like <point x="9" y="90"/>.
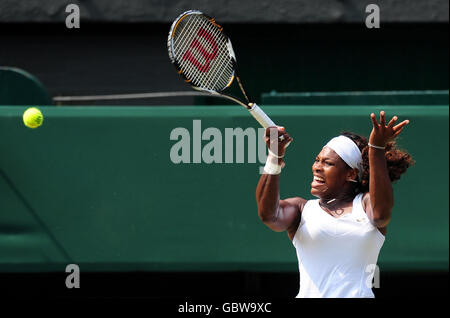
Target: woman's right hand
<point x="279" y="142"/>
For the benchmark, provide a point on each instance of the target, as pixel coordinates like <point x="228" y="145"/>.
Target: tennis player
<point x="338" y="236"/>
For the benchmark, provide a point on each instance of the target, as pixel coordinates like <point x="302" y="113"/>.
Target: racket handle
<point x="261" y="116"/>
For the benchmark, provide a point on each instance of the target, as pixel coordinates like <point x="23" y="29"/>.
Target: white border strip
<point x="126" y="96"/>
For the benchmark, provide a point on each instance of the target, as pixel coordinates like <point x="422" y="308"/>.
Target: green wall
<point x="96" y="186"/>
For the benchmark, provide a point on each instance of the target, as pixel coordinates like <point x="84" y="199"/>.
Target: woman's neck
<point x="337" y="201"/>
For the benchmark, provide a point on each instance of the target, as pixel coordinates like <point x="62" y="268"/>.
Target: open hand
<point x="382" y="134"/>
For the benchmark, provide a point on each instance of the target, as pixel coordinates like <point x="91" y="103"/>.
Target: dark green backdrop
<point x="95" y="186"/>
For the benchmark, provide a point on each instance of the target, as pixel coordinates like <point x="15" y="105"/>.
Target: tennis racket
<point x="204" y="57"/>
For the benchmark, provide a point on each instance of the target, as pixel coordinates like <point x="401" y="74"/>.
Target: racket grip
<point x="261" y="116"/>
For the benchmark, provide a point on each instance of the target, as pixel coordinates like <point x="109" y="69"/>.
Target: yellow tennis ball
<point x="33" y="117"/>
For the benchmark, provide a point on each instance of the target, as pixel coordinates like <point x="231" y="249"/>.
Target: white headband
<point x="348" y="151"/>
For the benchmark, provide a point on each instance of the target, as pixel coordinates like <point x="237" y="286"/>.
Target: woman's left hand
<point x="382" y="134"/>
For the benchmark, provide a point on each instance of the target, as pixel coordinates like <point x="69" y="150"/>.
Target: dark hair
<point x="398" y="161"/>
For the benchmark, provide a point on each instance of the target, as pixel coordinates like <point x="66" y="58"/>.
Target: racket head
<point x="201" y="52"/>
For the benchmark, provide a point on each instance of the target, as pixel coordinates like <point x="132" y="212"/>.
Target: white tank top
<point x="336" y="256"/>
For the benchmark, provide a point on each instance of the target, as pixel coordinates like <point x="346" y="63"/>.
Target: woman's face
<point x="330" y="174"/>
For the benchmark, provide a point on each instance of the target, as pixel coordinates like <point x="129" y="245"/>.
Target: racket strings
<point x="226" y="66"/>
<point x="185" y="37"/>
<point x="192" y="71"/>
<point x="211" y="80"/>
<point x="182" y="42"/>
<point x="219" y="70"/>
<point x="219" y="81"/>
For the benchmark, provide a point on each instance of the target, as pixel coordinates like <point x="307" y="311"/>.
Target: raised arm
<point x="380" y="201"/>
<point x="278" y="215"/>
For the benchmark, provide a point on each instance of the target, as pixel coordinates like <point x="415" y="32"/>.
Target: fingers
<point x="285" y="139"/>
<point x="401" y="125"/>
<point x="268" y="129"/>
<point x="273" y="131"/>
<point x="277" y="135"/>
<point x="398" y="132"/>
<point x="275" y="128"/>
<point x="374" y="120"/>
<point x="382" y="118"/>
<point x="288" y="142"/>
<point x="392" y="122"/>
<point x="398" y="129"/>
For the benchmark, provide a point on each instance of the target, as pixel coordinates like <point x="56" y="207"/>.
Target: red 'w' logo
<point x="208" y="56"/>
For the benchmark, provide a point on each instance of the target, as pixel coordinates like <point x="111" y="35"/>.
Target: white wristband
<point x="272" y="166"/>
<point x="376" y="147"/>
<point x="272" y="154"/>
